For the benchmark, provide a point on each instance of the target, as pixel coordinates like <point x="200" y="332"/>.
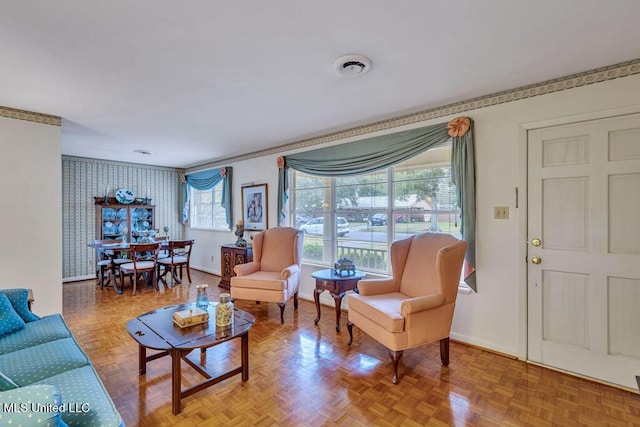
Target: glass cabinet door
<point x="142" y="222"/>
<point x="114" y="222"/>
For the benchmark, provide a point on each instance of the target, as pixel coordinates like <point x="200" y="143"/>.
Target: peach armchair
<point x="414" y="306"/>
<point x="274" y="274"/>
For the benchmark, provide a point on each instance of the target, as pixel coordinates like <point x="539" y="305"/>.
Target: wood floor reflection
<point x="306" y="375"/>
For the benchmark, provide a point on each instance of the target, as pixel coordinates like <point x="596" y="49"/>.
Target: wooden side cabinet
<point x="232" y="255"/>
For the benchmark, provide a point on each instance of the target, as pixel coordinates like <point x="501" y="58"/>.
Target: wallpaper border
<point x="597" y="75"/>
<point x="14" y="113"/>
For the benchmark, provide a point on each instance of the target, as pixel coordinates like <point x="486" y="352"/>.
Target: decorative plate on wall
<point x="124" y="196"/>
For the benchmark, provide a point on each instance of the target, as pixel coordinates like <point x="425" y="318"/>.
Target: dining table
<point x="120" y="250"/>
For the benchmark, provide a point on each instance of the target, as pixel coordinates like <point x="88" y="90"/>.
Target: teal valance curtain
<point x="206" y="180"/>
<point x="380" y="152"/>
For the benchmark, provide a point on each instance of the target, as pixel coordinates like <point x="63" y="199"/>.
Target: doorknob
<point x="536" y="242"/>
<point x="536" y="260"/>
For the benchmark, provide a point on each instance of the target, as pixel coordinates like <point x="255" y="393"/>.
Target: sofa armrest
<point x="289" y="271"/>
<point x="414" y="305"/>
<point x="245" y="269"/>
<point x="377" y="286"/>
<point x="20" y="405"/>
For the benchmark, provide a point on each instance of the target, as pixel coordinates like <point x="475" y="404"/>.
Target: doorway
<point x="583" y="250"/>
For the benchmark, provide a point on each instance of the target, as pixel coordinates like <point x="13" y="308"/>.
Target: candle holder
<point x="125" y="232"/>
<point x="105" y="202"/>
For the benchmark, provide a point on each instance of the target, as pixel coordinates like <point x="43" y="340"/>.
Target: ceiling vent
<point x="352" y="65"/>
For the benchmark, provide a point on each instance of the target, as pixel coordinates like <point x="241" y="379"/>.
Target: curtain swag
<point x="380" y="152"/>
<point x="206" y="180"/>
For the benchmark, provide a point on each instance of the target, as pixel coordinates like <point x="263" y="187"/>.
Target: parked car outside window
<point x="379" y="219"/>
<point x="316" y="226"/>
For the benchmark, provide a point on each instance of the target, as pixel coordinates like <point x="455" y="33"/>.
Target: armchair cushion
<point x="384" y="310"/>
<point x="269" y="280"/>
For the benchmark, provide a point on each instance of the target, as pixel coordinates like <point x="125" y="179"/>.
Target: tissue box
<point x="190" y="317"/>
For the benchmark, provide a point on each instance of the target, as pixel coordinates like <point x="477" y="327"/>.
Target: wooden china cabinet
<point x="112" y="219"/>
<point x="232" y="255"/>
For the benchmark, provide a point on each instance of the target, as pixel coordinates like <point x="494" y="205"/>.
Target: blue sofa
<point x="45" y="377"/>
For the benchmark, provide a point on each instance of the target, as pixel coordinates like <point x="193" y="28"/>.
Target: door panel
<point x="565" y="207"/>
<point x="584" y="205"/>
<point x="624" y="222"/>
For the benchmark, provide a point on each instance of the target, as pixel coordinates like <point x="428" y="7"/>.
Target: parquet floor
<point x="306" y="375"/>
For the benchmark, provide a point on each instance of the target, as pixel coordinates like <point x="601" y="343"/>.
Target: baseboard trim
<point x="78" y="278"/>
<point x="484" y="345"/>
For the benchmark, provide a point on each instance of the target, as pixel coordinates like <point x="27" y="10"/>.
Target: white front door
<point x="584" y="287"/>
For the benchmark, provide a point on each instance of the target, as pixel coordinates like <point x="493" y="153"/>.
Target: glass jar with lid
<point x="224" y="311"/>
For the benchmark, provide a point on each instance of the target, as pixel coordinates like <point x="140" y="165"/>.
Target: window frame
<point x="216" y="197"/>
<point x="330" y="238"/>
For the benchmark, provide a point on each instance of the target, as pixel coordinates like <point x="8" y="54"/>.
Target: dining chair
<point x="144" y="258"/>
<point x="179" y="256"/>
<point x="107" y="261"/>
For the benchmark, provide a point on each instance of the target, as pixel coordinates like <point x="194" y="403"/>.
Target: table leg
<point x="244" y="344"/>
<point x="338" y="300"/>
<point x="142" y="359"/>
<point x="112" y="271"/>
<point x="176" y="385"/>
<point x="316" y="298"/>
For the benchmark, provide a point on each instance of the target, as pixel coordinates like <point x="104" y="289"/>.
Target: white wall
<point x="495" y="317"/>
<point x="31" y="213"/>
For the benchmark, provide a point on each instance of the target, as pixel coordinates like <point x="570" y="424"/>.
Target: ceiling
<point x="199" y="81"/>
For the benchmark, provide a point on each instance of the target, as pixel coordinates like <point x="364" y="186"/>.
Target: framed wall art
<point x="254" y="207"/>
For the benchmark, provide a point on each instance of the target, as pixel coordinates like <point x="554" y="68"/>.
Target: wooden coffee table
<point x="156" y="330"/>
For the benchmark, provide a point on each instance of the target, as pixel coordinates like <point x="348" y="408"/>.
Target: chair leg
<point x="282" y="305"/>
<point x="395" y="358"/>
<point x="119" y="291"/>
<point x="350" y="329"/>
<point x="444" y="351"/>
<point x="101" y="277"/>
<point x="295" y="301"/>
<point x="134" y="282"/>
<point x="188" y="273"/>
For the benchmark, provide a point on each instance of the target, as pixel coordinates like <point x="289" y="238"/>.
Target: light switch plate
<point x="501" y="212"/>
